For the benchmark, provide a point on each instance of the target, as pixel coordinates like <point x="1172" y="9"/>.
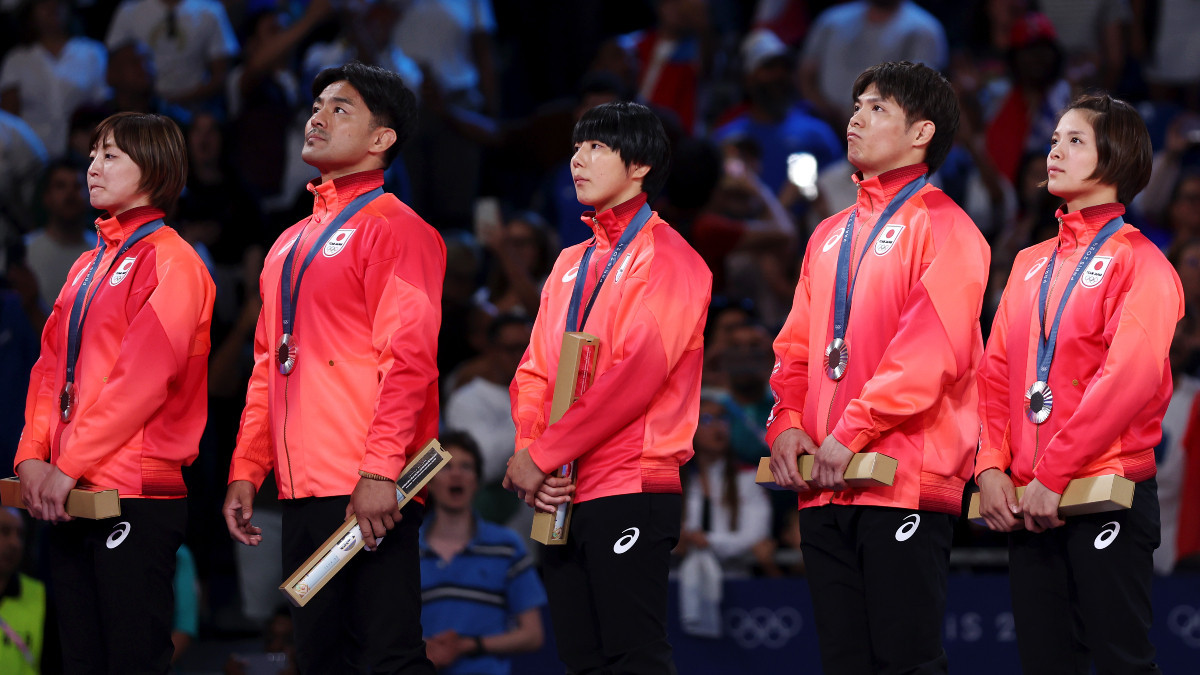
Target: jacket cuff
<point x="854" y="442"/>
<point x="1055" y="482"/>
<point x="541" y="456"/>
<point x="989" y="459"/>
<point x="786" y="419"/>
<point x="241" y="468"/>
<point x="391" y="467"/>
<point x="30" y="451"/>
<point x="70" y="467"/>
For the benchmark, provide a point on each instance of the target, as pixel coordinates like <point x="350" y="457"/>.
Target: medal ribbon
<point x="79" y="309"/>
<point x="844" y="294"/>
<point x="573" y="323"/>
<point x="289" y="296"/>
<point x="1046" y="344"/>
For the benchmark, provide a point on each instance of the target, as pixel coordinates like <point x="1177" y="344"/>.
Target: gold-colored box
<point x="1082" y="496"/>
<point x="576" y="370"/>
<point x="85" y="502"/>
<point x="866" y="469"/>
<point x="340" y="547"/>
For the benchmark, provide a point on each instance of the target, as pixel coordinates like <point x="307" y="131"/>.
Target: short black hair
<point x="392" y="104"/>
<point x="634" y="132"/>
<point x="463" y="441"/>
<point x="924" y="94"/>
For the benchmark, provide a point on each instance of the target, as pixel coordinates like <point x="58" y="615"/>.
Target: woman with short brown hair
<point x="117" y="400"/>
<point x="1074" y="384"/>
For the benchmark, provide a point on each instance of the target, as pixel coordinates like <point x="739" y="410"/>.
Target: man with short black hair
<point x="879" y="354"/>
<point x="344" y="388"/>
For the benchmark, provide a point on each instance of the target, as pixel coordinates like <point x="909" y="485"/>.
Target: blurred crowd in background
<point x="755" y="97"/>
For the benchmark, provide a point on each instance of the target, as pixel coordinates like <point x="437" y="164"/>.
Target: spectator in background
<point x="452" y="41"/>
<point x="672" y="59"/>
<point x="846" y="39"/>
<point x="22" y="156"/>
<point x="131" y="76"/>
<point x="522" y="254"/>
<point x="1026" y="106"/>
<point x="774" y="118"/>
<point x="1175" y="63"/>
<point x="1169" y="188"/>
<point x="1093" y="35"/>
<point x="55" y="73"/>
<point x="221" y="215"/>
<point x="52" y="250"/>
<point x="192" y="42"/>
<point x="1178" y="454"/>
<point x="263" y="93"/>
<point x="723" y="508"/>
<point x="23" y="607"/>
<point x="464" y="325"/>
<point x="747" y="363"/>
<point x="480" y="594"/>
<point x="482" y="409"/>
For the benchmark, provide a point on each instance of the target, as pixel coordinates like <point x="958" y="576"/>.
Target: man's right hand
<point x="239" y="506"/>
<point x="787" y="447"/>
<point x="998" y="501"/>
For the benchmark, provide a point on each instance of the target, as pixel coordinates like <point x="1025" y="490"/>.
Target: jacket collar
<point x="330" y="198"/>
<point x="1080" y="227"/>
<point x="610" y="224"/>
<point x="875" y="193"/>
<point x="116" y="229"/>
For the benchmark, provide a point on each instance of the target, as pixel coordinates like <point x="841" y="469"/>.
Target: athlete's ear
<point x="924" y="131"/>
<point x="382" y="138"/>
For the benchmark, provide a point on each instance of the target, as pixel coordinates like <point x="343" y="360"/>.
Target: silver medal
<point x="285" y="353"/>
<point x="1038" y="402"/>
<point x="837" y="355"/>
<point x="66" y="402"/>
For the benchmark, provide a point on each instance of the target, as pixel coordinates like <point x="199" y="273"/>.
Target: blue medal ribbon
<point x="289" y="295"/>
<point x="79" y="310"/>
<point x="837" y="354"/>
<point x="573" y="322"/>
<point x="1046" y="343"/>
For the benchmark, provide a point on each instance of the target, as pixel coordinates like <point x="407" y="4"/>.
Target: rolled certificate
<point x="339" y="548"/>
<point x="576" y="369"/>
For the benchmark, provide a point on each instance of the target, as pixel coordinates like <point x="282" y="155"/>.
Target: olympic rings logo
<point x="763" y="626"/>
<point x="1184" y="621"/>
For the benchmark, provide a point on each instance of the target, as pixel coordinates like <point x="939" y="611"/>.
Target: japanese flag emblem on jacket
<point x="122" y="270"/>
<point x="336" y="243"/>
<point x="1094" y="273"/>
<point x="887" y="238"/>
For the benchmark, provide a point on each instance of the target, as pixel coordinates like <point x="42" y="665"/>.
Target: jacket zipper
<point x="286" y="451"/>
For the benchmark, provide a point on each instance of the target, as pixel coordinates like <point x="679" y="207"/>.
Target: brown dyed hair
<point x="1124" y="154"/>
<point x="156" y="145"/>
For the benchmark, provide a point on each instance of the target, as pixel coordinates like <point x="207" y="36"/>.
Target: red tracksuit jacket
<point x="1110" y="376"/>
<point x="914" y="342"/>
<point x="142" y="371"/>
<point x="632" y="430"/>
<point x="363" y="394"/>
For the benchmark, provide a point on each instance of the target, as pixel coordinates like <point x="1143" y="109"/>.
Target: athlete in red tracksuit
<point x="344" y="387"/>
<point x="1081" y="589"/>
<point x="118" y="399"/>
<point x="632" y="429"/>
<point x="878" y="558"/>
